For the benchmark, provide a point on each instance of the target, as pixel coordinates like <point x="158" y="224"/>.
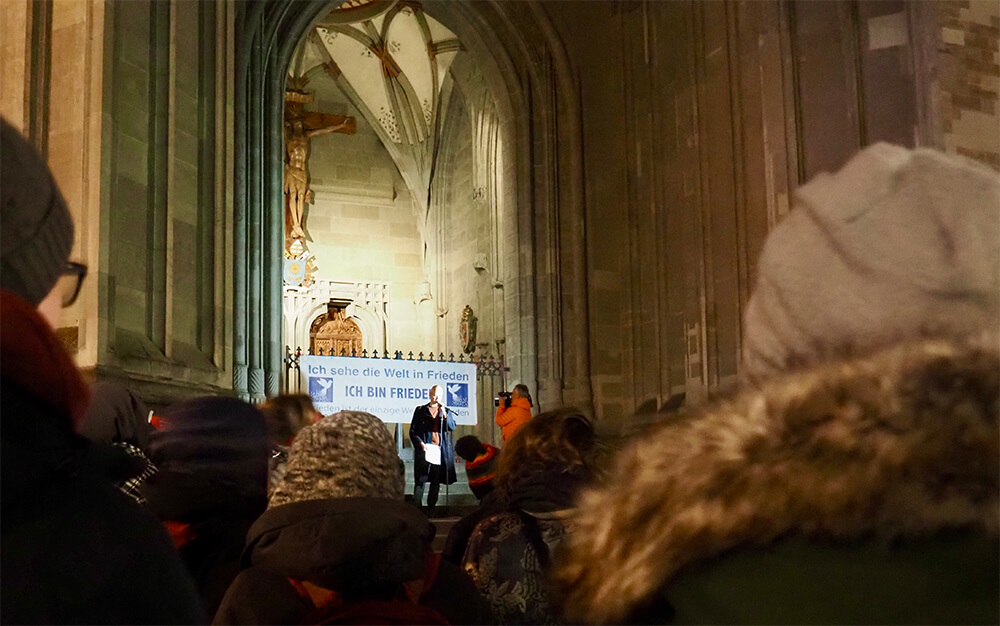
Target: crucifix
<point x="300" y="127"/>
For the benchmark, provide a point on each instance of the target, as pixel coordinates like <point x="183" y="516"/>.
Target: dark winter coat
<point x="208" y="523"/>
<point x="212" y="454"/>
<point x="421" y="428"/>
<point x="508" y="553"/>
<point x="74" y="549"/>
<point x="863" y="491"/>
<point x="118" y="416"/>
<point x="363" y="548"/>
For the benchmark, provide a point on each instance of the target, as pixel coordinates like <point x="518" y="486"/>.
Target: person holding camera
<point x="433" y="453"/>
<point x="513" y="410"/>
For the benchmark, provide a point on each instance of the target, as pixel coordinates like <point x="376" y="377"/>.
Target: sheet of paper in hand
<point x="432" y="452"/>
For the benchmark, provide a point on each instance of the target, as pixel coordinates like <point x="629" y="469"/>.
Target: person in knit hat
<point x="481" y="460"/>
<point x="337" y="533"/>
<point x="211" y="455"/>
<point x="898" y="243"/>
<point x="37" y="232"/>
<point x="74" y="549"/>
<point x="856" y="478"/>
<point x="350" y="454"/>
<point x="480" y="463"/>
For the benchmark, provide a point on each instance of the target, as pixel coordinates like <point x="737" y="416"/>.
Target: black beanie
<point x="36" y="230"/>
<point x="223" y="440"/>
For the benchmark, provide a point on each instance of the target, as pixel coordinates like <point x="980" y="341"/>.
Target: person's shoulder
<point x="488" y="454"/>
<point x="121" y="548"/>
<point x="258" y="596"/>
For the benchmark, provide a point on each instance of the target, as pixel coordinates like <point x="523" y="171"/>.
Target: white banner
<point x="388" y="388"/>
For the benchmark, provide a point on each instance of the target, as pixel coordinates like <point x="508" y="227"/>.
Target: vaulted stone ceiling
<point x="391" y="60"/>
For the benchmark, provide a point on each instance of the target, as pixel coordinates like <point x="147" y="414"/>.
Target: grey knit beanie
<point x="349" y="454"/>
<point x="36" y="230"/>
<point x="897" y="244"/>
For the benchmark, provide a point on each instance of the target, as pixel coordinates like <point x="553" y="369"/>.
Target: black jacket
<point x="74" y="548"/>
<point x="215" y="517"/>
<point x="359" y="547"/>
<point x="421" y="427"/>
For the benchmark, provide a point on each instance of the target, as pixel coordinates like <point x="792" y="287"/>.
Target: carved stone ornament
<point x="422" y="292"/>
<point x="333" y="333"/>
<point x="467" y="330"/>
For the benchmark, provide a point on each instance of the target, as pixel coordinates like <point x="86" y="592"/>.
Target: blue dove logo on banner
<point x="458" y="395"/>
<point x="321" y="388"/>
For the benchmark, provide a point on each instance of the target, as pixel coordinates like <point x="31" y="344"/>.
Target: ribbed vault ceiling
<point x="391" y="60"/>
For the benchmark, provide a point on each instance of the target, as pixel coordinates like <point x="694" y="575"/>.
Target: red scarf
<point x="32" y="358"/>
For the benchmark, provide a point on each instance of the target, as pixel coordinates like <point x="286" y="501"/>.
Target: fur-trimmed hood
<point x="901" y="444"/>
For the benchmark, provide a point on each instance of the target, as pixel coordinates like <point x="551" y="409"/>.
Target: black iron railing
<point x="486" y="365"/>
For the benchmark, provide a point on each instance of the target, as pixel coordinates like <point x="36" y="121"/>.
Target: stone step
<point x="444" y="518"/>
<point x="457" y="494"/>
<point x="443" y="526"/>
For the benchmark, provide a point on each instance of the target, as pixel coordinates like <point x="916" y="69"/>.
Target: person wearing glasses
<point x="74" y="549"/>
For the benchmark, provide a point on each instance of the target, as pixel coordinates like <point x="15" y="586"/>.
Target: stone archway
<point x="546" y="327"/>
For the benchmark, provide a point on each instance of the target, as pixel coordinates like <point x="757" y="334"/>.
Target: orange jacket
<point x="511" y="419"/>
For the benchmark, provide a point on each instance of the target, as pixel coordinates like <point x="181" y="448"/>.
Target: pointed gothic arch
<point x="533" y="82"/>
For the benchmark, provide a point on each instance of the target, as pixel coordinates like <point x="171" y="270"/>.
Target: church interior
<point x="698" y="302"/>
<point x="579" y="190"/>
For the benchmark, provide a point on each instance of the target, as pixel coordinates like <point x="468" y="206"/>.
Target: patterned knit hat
<point x="349" y="454"/>
<point x="36" y="230"/>
<point x="219" y="439"/>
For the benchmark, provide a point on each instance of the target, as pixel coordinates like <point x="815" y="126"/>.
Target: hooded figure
<point x="863" y="491"/>
<point x="856" y="479"/>
<point x="897" y="244"/>
<point x="118" y="416"/>
<point x="337" y="532"/>
<point x="212" y="456"/>
<point x="74" y="549"/>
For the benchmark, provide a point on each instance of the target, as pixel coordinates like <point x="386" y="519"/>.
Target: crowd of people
<point x="853" y="477"/>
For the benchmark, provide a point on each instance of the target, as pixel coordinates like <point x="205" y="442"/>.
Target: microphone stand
<point x="447" y="493"/>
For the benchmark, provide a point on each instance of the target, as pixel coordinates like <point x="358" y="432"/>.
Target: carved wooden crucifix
<point x="300" y="127"/>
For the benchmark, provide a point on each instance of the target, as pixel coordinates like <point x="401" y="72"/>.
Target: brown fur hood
<point x="899" y="444"/>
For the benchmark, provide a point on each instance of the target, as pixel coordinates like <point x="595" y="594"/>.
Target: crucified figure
<point x="300" y="127"/>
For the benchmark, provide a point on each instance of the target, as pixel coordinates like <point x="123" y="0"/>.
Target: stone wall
<point x="648" y="148"/>
<point x="15" y="63"/>
<point x="968" y="78"/>
<point x="362" y="224"/>
<point x="52" y="72"/>
<point x="165" y="253"/>
<point x="463" y="220"/>
<point x="699" y="120"/>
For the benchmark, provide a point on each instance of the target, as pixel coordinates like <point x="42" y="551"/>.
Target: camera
<point x="505" y="396"/>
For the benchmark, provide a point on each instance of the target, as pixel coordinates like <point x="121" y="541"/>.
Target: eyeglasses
<point x="70" y="281"/>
